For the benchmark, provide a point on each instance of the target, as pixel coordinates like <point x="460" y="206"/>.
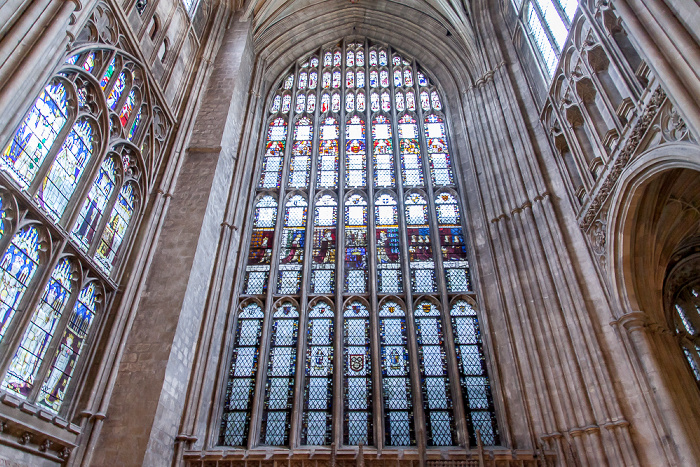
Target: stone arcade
<point x="320" y="233"/>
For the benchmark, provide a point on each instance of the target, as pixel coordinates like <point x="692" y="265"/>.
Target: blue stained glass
<point x="20" y="377"/>
<point x="476" y="389"/>
<point x="281" y="368"/>
<point x="356" y="244"/>
<point x="437" y="402"/>
<point x="324" y="245"/>
<point x="358" y="375"/>
<point x="396" y="386"/>
<point x="65" y="172"/>
<point x="389" y="276"/>
<point x="108" y="74"/>
<point x="292" y="248"/>
<point x="95" y="204"/>
<point x="135" y="126"/>
<point x="35" y="135"/>
<point x="17" y="267"/>
<point x="66" y="359"/>
<point x="261" y="243"/>
<point x="242" y="373"/>
<point x="113" y="236"/>
<point x="318" y="392"/>
<point x="3" y="215"/>
<point x="117" y="90"/>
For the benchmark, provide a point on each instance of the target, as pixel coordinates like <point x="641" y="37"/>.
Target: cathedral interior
<point x="500" y="268"/>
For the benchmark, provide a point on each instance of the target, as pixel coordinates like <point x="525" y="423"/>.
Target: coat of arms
<point x="357" y="362"/>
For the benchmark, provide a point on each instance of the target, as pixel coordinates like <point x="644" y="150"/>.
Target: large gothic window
<point x="72" y="180"/>
<point x="358" y="261"/>
<point x="548" y="23"/>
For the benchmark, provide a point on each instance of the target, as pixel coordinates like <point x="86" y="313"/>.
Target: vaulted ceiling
<point x="436" y="32"/>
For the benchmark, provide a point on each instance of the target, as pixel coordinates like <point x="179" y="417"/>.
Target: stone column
<point x="146" y="405"/>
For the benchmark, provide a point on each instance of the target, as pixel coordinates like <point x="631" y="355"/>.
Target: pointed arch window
<point x="373" y="257"/>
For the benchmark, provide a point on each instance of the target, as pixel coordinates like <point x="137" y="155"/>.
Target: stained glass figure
<point x="407" y="77"/>
<point x="21" y="374"/>
<point x="281" y="368"/>
<point x="437" y="402"/>
<point x="383" y="152"/>
<point x="276" y="104"/>
<point x="300" y="163"/>
<point x="335" y="102"/>
<point x="286" y="103"/>
<point x="127" y="108"/>
<point x="291" y="258"/>
<point x="274" y="154"/>
<point x="452" y="247"/>
<point x="420" y="248"/>
<point x="360" y="101"/>
<point x="89" y="63"/>
<point x="337" y="58"/>
<point x="374" y="102"/>
<point x="396" y="386"/>
<point x="289" y="82"/>
<point x="313" y="80"/>
<point x="110" y="245"/>
<point x="384" y="78"/>
<point x="66" y="170"/>
<point x="435" y="100"/>
<point x="349" y="79"/>
<point x="71" y="345"/>
<point x="355" y="153"/>
<point x="350" y="58"/>
<point x="350" y="102"/>
<point x="438" y="152"/>
<point x="242" y="373"/>
<point x="303" y="78"/>
<point x="325" y="103"/>
<point x="355" y="244"/>
<point x="386" y="219"/>
<point x="317" y="421"/>
<point x="117" y="90"/>
<point x="411" y="100"/>
<point x="396" y="60"/>
<point x="357" y="387"/>
<point x="386" y="102"/>
<point x="328" y="154"/>
<point x="35" y="135"/>
<point x="324" y="248"/>
<point x="373" y="79"/>
<point x="424" y="101"/>
<point x="262" y="240"/>
<point x="336" y="79"/>
<point x="327" y="59"/>
<point x="106" y="78"/>
<point x="382" y="57"/>
<point x="373" y="58"/>
<point x="398" y="78"/>
<point x="400" y="104"/>
<point x="94" y="206"/>
<point x="360" y="57"/>
<point x="314" y="62"/>
<point x="360" y="79"/>
<point x="301" y="103"/>
<point x="476" y="389"/>
<point x="326" y="79"/>
<point x="17" y="267"/>
<point x="311" y="103"/>
<point x="411" y="160"/>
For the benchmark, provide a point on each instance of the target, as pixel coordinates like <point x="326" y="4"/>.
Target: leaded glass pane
<point x="115" y="231"/>
<point x="324" y="246"/>
<point x="355" y="153"/>
<point x="328" y="154"/>
<point x="291" y="256"/>
<point x="355" y="244"/>
<point x="452" y="246"/>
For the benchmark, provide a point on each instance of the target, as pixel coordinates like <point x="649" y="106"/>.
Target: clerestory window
<point x="356" y="265"/>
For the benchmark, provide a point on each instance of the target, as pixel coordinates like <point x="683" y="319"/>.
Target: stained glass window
<point x="386" y="219"/>
<point x="292" y="247"/>
<point x="117" y="90"/>
<point x="36" y="134"/>
<point x="274" y="154"/>
<point x="318" y="392"/>
<point x="396" y="385"/>
<point x="69" y="349"/>
<point x="17" y="267"/>
<point x="357" y="387"/>
<point x="476" y="389"/>
<point x="65" y="172"/>
<point x="115" y="230"/>
<point x="261" y="242"/>
<point x="324" y="248"/>
<point x="355" y="153"/>
<point x="369" y="96"/>
<point x="281" y="369"/>
<point x="240" y="389"/>
<point x="21" y="375"/>
<point x="328" y="154"/>
<point x="420" y="250"/>
<point x="452" y="247"/>
<point x="437" y="402"/>
<point x="300" y="163"/>
<point x="440" y="164"/>
<point x="355" y="244"/>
